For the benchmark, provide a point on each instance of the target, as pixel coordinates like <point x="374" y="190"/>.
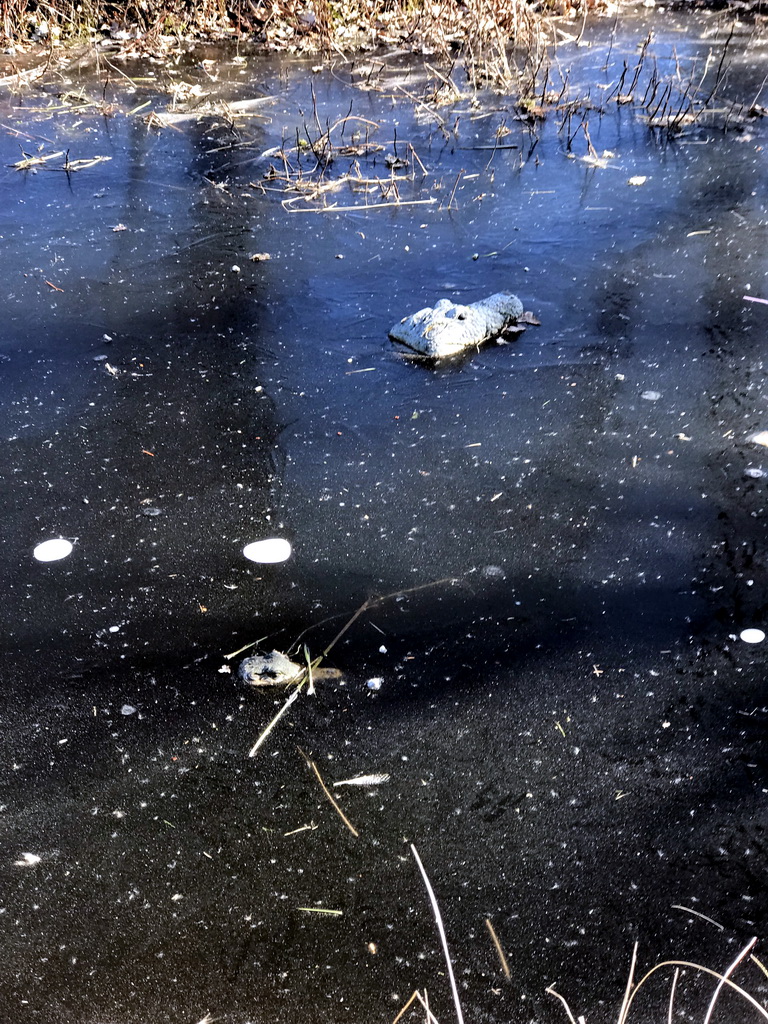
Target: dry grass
<point x="753" y="1010"/>
<point x="482" y="31"/>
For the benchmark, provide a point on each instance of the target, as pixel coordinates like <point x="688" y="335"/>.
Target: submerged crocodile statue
<point x="447" y="328"/>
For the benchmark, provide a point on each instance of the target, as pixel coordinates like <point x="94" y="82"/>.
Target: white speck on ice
<point x="28" y="860"/>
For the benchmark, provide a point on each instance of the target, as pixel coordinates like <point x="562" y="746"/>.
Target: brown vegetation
<point x="477" y="27"/>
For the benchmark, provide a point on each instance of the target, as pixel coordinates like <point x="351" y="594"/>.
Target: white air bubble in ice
<point x="275" y="549"/>
<point x="752" y="636"/>
<point x="52" y="550"/>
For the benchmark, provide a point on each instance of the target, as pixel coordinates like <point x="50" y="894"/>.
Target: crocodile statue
<point x="448" y="329"/>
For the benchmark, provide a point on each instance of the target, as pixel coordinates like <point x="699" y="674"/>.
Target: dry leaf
<point x="529" y="318"/>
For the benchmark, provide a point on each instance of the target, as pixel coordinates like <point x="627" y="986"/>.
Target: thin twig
<point x="695" y="913"/>
<point x="245" y="647"/>
<point x="365" y="206"/>
<point x="404" y="1008"/>
<point x="583" y="23"/>
<point x="455" y="186"/>
<point x="672" y="995"/>
<point x="441" y="930"/>
<point x="446" y="81"/>
<point x="753" y="104"/>
<point x="705" y="970"/>
<point x="497" y="944"/>
<point x="553" y="992"/>
<point x="416" y="159"/>
<point x="370" y="602"/>
<point x="328" y="793"/>
<point x="431" y="1018"/>
<point x="363" y="607"/>
<point x="628" y="991"/>
<point x="747" y="949"/>
<point x="275" y="720"/>
<point x="311" y="681"/>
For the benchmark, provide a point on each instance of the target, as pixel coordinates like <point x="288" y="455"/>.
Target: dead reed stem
<point x="747" y="949"/>
<point x="553" y="992"/>
<point x="329" y="795"/>
<point x="628" y="990"/>
<point x="499" y="950"/>
<point x="254" y="749"/>
<point x="672" y="995"/>
<point x="441" y="931"/>
<point x="695" y="967"/>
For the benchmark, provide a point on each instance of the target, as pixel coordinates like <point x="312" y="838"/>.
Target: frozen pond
<point x="568" y="529"/>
